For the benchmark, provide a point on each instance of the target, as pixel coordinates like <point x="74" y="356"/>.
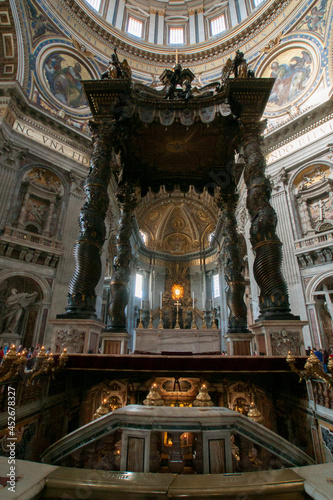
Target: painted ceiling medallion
<point x="294" y="70"/>
<point x="61" y="78"/>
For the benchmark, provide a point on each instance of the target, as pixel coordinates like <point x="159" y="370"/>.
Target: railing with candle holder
<point x="14" y="363"/>
<point x="313" y="369"/>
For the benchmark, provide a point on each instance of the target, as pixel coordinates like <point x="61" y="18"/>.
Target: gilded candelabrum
<point x="203" y="398"/>
<point x="140" y="325"/>
<point x="14" y="364"/>
<point x="204" y="326"/>
<point x="177" y="325"/>
<point x="214" y="326"/>
<point x="102" y="410"/>
<point x="154" y="397"/>
<point x="193" y="324"/>
<point x="313" y="369"/>
<point x="160" y="325"/>
<point x="150" y="326"/>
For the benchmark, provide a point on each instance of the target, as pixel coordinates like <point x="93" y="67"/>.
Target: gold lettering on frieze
<point x="54" y="144"/>
<point x="296" y="144"/>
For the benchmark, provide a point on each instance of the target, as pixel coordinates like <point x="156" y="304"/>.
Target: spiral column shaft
<point x="273" y="299"/>
<point x="237" y="321"/>
<point x="121" y="265"/>
<point x="81" y="295"/>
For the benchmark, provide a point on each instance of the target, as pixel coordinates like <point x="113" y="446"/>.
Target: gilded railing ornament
<point x="203" y="398"/>
<point x="102" y="410"/>
<point x="254" y="414"/>
<point x="44" y="365"/>
<point x="154" y="397"/>
<point x="313" y="369"/>
<point x="14" y="364"/>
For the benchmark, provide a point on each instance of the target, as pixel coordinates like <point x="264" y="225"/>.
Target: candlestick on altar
<point x="204" y="326"/>
<point x="214" y="327"/>
<point x="177" y="325"/>
<point x="160" y="325"/>
<point x="193" y="324"/>
<point x="140" y="325"/>
<point x="150" y="326"/>
<point x="193" y="300"/>
<point x="176" y="56"/>
<point x="160" y="300"/>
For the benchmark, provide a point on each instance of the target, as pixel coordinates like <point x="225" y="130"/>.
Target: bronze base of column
<point x="115" y="329"/>
<point x="274" y="315"/>
<point x="79" y="306"/>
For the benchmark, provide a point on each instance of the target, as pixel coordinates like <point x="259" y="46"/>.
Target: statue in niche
<point x="14" y="307"/>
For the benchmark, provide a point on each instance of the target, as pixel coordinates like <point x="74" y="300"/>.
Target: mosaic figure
<point x="291" y="78"/>
<point x="316" y="20"/>
<point x="63" y="75"/>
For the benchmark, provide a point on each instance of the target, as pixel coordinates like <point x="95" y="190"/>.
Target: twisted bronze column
<point x="121" y="265"/>
<point x="81" y="297"/>
<point x="273" y="299"/>
<point x="237" y="322"/>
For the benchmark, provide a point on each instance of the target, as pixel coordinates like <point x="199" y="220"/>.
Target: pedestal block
<point x="239" y="344"/>
<point x="114" y="342"/>
<point x="278" y="337"/>
<point x="76" y="335"/>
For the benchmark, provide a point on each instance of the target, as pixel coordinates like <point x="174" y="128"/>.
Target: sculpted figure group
<point x="178" y="82"/>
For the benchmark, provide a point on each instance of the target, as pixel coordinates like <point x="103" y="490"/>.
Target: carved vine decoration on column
<point x="127" y="201"/>
<point x="81" y="297"/>
<point x="232" y="264"/>
<point x="273" y="300"/>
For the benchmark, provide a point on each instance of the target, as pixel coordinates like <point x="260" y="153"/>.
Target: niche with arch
<point x="41" y="194"/>
<point x="313" y="193"/>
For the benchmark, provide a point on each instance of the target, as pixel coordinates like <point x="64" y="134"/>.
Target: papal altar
<point x="167" y="341"/>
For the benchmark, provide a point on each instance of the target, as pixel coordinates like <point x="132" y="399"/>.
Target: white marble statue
<point x="15" y="304"/>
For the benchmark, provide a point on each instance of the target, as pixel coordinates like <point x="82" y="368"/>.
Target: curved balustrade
<point x="216" y="429"/>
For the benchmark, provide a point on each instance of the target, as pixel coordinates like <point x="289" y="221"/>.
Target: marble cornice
<point x="297" y="126"/>
<point x="143" y="51"/>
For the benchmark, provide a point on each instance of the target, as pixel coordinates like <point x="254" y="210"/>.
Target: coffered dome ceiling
<point x="177" y="223"/>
